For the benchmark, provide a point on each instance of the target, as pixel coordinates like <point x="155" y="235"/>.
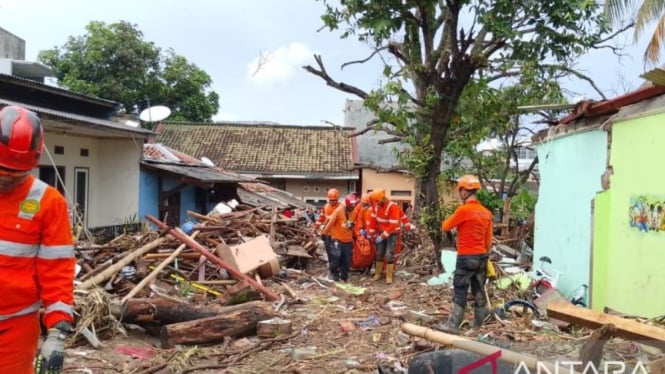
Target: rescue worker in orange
<point x="405" y="225"/>
<point x="474" y="238"/>
<point x="363" y="259"/>
<point x="36" y="253"/>
<point x="328" y="209"/>
<point x="340" y="229"/>
<point x="384" y="229"/>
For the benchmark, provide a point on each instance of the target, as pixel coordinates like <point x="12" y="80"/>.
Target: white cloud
<point x="278" y="65"/>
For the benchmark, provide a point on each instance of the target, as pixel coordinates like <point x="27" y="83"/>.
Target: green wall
<point x="570" y="170"/>
<point x="598" y="293"/>
<point x="634" y="258"/>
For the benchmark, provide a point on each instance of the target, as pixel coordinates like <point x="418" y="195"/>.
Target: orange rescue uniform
<point x="337" y="226"/>
<point x="37" y="265"/>
<point x="474" y="228"/>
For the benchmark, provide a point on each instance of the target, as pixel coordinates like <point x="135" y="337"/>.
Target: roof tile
<point x="264" y="148"/>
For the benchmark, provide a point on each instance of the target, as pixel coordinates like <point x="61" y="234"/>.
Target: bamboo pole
<point x="157" y="270"/>
<point x="533" y="363"/>
<point x="106" y="274"/>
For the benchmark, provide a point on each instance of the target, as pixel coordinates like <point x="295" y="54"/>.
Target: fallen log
<point x="625" y="328"/>
<point x="161" y="311"/>
<point x="238" y="321"/>
<point x="532" y="363"/>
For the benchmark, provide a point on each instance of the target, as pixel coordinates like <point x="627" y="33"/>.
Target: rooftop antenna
<point x="154" y="113"/>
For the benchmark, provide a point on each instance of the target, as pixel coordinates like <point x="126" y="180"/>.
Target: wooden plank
<point x="625" y="328"/>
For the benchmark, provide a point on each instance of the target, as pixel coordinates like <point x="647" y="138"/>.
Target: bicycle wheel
<point x="523" y="303"/>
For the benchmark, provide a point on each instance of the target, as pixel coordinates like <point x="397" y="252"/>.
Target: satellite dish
<point x="155" y="113"/>
<point x="131" y="123"/>
<point x="206" y="161"/>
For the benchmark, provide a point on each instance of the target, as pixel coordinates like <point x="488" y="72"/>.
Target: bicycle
<point x="542" y="279"/>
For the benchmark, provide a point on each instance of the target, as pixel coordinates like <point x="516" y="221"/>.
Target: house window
<point x="400" y="193"/>
<point x="305" y="188"/>
<point x="54" y="176"/>
<point x="316" y="189"/>
<point x="59" y="150"/>
<point x="84" y="152"/>
<point x="525" y="153"/>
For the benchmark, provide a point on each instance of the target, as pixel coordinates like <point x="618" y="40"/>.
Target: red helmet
<point x="21" y="138"/>
<point x="351" y="200"/>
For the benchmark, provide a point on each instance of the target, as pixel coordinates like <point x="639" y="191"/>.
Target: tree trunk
<point x="163" y="312"/>
<point x="429" y="186"/>
<point x="240" y="321"/>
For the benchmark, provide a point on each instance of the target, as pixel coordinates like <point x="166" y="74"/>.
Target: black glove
<point x="51" y="356"/>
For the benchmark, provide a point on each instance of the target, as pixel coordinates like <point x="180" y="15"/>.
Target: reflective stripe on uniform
<point x="31" y="309"/>
<point x="52" y="252"/>
<point x="13" y="249"/>
<point x="36" y="193"/>
<point x="60" y="307"/>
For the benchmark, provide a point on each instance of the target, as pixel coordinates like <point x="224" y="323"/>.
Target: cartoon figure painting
<point x="647" y="213"/>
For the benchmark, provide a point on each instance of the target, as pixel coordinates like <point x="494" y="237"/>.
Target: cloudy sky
<point x="226" y="38"/>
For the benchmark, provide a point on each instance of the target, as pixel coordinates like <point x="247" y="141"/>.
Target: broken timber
<point x="625" y="328"/>
<point x="237" y="321"/>
<point x="161" y="311"/>
<point x="180" y="235"/>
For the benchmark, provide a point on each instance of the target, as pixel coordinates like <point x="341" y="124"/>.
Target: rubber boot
<point x="454" y="319"/>
<point x="389" y="273"/>
<point x="378" y="269"/>
<point x="479" y="315"/>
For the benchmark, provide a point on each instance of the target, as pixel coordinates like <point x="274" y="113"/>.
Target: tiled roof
<point x="161" y="157"/>
<point x="265" y="149"/>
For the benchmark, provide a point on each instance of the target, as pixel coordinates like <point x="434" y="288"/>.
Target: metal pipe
<point x="180" y="235"/>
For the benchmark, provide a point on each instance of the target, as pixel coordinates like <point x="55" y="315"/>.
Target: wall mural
<point x="646" y="213"/>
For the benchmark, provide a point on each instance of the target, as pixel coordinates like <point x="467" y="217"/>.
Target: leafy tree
<point x="648" y="11"/>
<point x="439" y="49"/>
<point x="115" y="62"/>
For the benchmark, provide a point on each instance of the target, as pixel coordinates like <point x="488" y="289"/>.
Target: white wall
<point x="113" y="172"/>
<point x="117" y="191"/>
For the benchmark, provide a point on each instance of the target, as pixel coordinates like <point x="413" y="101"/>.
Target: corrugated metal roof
<point x="204" y="174"/>
<point x="257" y="194"/>
<point x="656" y="76"/>
<point x="160" y="152"/>
<point x="159" y="156"/>
<point x="92" y="121"/>
<point x="58" y="90"/>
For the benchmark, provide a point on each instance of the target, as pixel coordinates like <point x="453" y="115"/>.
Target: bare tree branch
<point x="616" y="33"/>
<point x="323" y="74"/>
<point x="264" y="58"/>
<point x="394" y="139"/>
<point x="579" y="75"/>
<point x="377" y="50"/>
<point x="371" y="125"/>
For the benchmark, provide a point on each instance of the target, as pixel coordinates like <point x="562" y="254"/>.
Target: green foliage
<point x="451" y="79"/>
<point x="522" y="204"/>
<point x="114" y="62"/>
<point x="490" y="201"/>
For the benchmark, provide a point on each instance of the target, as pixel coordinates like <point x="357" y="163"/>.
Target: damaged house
<point x="305" y="161"/>
<point x="599" y="215"/>
<point x="173" y="183"/>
